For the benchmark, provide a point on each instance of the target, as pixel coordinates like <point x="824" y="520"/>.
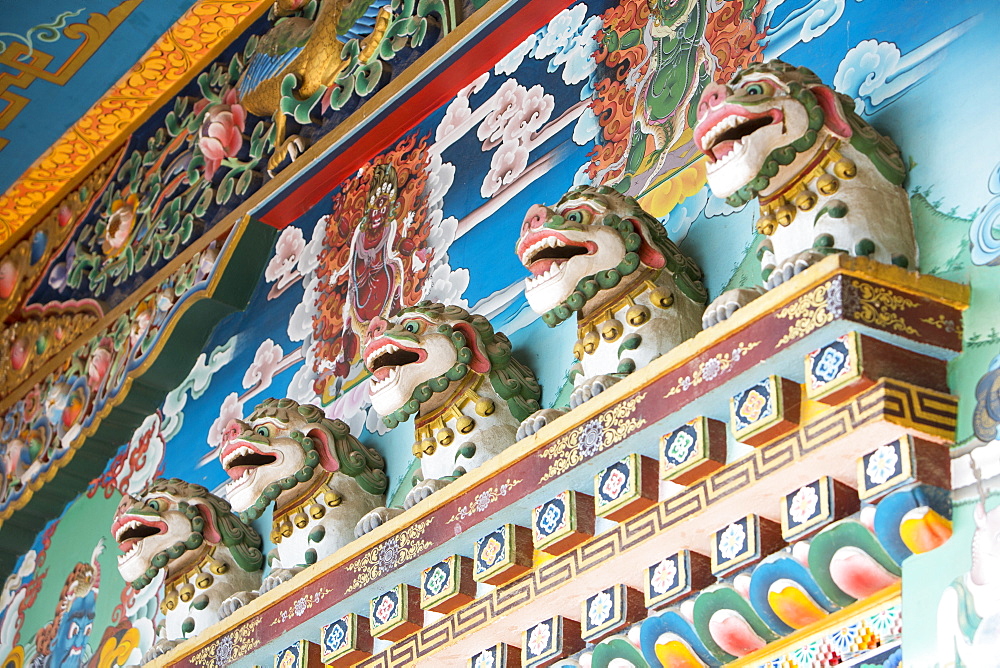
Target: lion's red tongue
<point x="382" y="372"/>
<point x="539" y="267"/>
<point x="722" y="149"/>
<point x="236" y="472"/>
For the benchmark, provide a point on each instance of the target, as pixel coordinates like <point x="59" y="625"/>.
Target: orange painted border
<point x="184" y="50"/>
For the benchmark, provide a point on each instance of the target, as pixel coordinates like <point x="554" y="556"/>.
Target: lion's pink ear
<point x="324" y="448"/>
<point x="836" y="120"/>
<point x="480" y="363"/>
<point x="211" y="532"/>
<point x="648" y="253"/>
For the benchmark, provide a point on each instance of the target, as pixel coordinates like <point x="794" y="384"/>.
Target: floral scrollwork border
<point x="712" y="368"/>
<point x="236" y="644"/>
<point x="388" y="555"/>
<point x="816" y="308"/>
<point x="593" y="436"/>
<point x="301" y="605"/>
<point x="878" y="306"/>
<point x="483" y="500"/>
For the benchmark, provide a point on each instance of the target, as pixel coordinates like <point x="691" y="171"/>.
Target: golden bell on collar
<point x="637" y="315"/>
<point x="805" y="200"/>
<point x="767" y="225"/>
<point x="661" y="298"/>
<point x="785" y="215"/>
<point x="611" y="330"/>
<point x="590" y="342"/>
<point x="485" y="407"/>
<point x="845" y="169"/>
<point x="186" y="591"/>
<point x="827" y="184"/>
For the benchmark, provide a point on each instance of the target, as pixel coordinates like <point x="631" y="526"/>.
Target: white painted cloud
<point x="678" y="221"/>
<point x="509" y="63"/>
<point x="458" y="117"/>
<point x="877" y="73"/>
<point x="985" y="230"/>
<point x="232" y="408"/>
<point x="197" y="381"/>
<point x="282" y="270"/>
<point x="301" y="386"/>
<point x="586" y="128"/>
<point x="143" y="456"/>
<point x="801" y="25"/>
<point x="266" y="363"/>
<point x="716" y="206"/>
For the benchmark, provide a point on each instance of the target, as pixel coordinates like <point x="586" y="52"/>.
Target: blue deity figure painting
<point x="62" y="643"/>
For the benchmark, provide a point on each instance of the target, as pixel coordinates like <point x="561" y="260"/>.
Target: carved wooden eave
<point x="839" y="295"/>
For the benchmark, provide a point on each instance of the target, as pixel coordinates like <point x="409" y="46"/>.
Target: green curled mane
<point x="510" y="379"/>
<point x="355" y="459"/>
<point x="243" y="541"/>
<point x="880" y="149"/>
<point x="686" y="273"/>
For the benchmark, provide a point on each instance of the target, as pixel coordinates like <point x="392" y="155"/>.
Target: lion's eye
<point x="756" y="88"/>
<point x="154" y="505"/>
<point x="575" y="216"/>
<point x="412" y="327"/>
<point x="263" y="431"/>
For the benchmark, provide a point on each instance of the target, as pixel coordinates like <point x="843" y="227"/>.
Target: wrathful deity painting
<point x="631" y="113"/>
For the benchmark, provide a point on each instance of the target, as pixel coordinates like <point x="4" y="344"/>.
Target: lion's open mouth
<point x="383" y="360"/>
<point x="129" y="534"/>
<point x="550" y="251"/>
<point x="244" y="458"/>
<point x="725" y="136"/>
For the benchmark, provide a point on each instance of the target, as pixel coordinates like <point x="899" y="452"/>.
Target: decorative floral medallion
<point x="753" y="406"/>
<point x="289" y="657"/>
<point x="882" y="464"/>
<point x="436" y="578"/>
<point x="600" y="609"/>
<point x="804" y="504"/>
<point x="590" y="439"/>
<point x="491" y="552"/>
<point x="811" y="507"/>
<point x="485" y="659"/>
<point x="539" y="638"/>
<point x="609" y="428"/>
<point x="483" y="500"/>
<point x="664" y="575"/>
<point x="389" y="554"/>
<point x="732" y="541"/>
<point x="831" y="363"/>
<point x="712" y="368"/>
